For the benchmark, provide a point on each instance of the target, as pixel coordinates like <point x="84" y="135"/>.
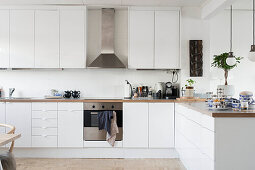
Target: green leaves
<point x="190" y="82"/>
<point x="219" y="61"/>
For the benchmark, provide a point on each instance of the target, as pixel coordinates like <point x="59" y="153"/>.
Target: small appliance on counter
<point x="76" y="94"/>
<point x="128" y="90"/>
<point x="159" y="90"/>
<point x="68" y="94"/>
<point x="171" y="91"/>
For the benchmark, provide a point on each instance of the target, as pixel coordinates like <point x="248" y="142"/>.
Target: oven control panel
<point x="103" y="106"/>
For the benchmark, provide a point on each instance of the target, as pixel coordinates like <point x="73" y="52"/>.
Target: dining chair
<point x="7" y="159"/>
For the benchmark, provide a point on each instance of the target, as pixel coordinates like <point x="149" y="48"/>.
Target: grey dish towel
<point x="104" y="120"/>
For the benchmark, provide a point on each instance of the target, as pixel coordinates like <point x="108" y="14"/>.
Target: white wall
<point x="194" y="28"/>
<point x="242" y="77"/>
<point x="91" y="82"/>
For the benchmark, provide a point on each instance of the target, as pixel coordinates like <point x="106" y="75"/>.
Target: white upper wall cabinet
<point x="72" y="38"/>
<point x="167" y="39"/>
<point x="22" y="36"/>
<point x="154" y="38"/>
<point x="46" y="39"/>
<point x="141" y="39"/>
<point x="4" y="38"/>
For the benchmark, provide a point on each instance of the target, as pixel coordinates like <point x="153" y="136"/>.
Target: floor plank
<point x="98" y="164"/>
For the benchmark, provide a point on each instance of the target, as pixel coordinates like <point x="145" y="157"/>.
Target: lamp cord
<point x="253" y="21"/>
<point x="231" y="13"/>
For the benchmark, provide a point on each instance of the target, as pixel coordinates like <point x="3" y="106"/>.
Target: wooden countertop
<point x="88" y="100"/>
<point x="141" y="100"/>
<point x="203" y="108"/>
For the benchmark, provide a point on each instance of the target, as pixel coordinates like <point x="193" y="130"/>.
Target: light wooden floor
<point x="99" y="164"/>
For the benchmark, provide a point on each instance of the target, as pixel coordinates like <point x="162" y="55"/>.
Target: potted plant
<point x="219" y="61"/>
<point x="189" y="92"/>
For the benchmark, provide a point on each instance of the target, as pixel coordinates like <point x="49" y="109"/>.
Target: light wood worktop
<point x="203" y="108"/>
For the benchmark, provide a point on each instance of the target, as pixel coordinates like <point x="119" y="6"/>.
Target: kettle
<point x="159" y="89"/>
<point x="127" y="90"/>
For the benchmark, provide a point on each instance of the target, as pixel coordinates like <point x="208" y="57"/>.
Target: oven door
<point x="91" y="131"/>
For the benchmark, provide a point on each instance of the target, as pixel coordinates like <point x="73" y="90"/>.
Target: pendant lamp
<point x="251" y="56"/>
<point x="231" y="60"/>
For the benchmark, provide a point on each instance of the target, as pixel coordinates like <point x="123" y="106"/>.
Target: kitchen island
<point x="209" y="139"/>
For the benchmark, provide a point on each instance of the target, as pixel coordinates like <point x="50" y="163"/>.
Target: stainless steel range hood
<point x="107" y="58"/>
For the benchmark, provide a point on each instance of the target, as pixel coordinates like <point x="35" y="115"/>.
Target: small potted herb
<point x="189" y="92"/>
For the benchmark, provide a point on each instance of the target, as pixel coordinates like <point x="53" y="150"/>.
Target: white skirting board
<point x="94" y="153"/>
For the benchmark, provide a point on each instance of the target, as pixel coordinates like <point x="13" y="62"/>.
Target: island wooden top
<point x="202" y="107"/>
<point x="7" y="138"/>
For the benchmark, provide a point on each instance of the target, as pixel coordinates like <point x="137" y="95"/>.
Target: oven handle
<point x="93" y="113"/>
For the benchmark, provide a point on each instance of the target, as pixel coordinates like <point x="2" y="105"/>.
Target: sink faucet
<point x="11" y="90"/>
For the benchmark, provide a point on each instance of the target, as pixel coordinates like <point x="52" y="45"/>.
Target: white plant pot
<point x="229" y="90"/>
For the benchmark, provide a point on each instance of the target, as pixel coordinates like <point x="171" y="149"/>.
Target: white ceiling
<point x="109" y="2"/>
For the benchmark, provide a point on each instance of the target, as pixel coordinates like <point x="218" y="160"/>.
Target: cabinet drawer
<point x="70" y="106"/>
<point x="207" y="142"/>
<point x="44" y="122"/>
<point x="44" y="141"/>
<point x="44" y="131"/>
<point x="44" y="106"/>
<point x="207" y="122"/>
<point x="44" y="114"/>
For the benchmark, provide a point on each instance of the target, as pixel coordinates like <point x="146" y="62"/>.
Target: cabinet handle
<point x="44" y="127"/>
<point x="44" y="118"/>
<point x="44" y="136"/>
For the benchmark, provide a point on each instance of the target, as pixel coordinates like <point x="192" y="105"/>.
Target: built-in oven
<point x="91" y="131"/>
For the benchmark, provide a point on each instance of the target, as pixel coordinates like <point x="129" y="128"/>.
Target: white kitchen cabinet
<point x="72" y="38"/>
<point x="161" y="125"/>
<point x="22" y="37"/>
<point x="4" y="38"/>
<point x="70" y="127"/>
<point x="167" y="39"/>
<point x="2" y="116"/>
<point x="141" y="39"/>
<point x="19" y="115"/>
<point x="135" y="125"/>
<point x="46" y="39"/>
<point x="154" y="38"/>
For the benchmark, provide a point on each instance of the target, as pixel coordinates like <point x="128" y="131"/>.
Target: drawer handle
<point x="44" y="136"/>
<point x="44" y="118"/>
<point x="44" y="127"/>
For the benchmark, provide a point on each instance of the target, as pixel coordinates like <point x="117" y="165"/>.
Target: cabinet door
<point x="46" y="39"/>
<point x="135" y="125"/>
<point x="167" y="39"/>
<point x="161" y="125"/>
<point x="4" y="38"/>
<point x="72" y="39"/>
<point x="2" y="116"/>
<point x="141" y="39"/>
<point x="70" y="128"/>
<point x="19" y="115"/>
<point x="22" y="38"/>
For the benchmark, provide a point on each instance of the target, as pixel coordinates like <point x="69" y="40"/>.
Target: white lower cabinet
<point x="193" y="141"/>
<point x="70" y="125"/>
<point x="135" y="125"/>
<point x="19" y="115"/>
<point x="44" y="124"/>
<point x="161" y="125"/>
<point x="148" y="125"/>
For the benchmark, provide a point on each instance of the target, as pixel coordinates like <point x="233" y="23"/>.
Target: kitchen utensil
<point x="67" y="94"/>
<point x="145" y="91"/>
<point x="76" y="94"/>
